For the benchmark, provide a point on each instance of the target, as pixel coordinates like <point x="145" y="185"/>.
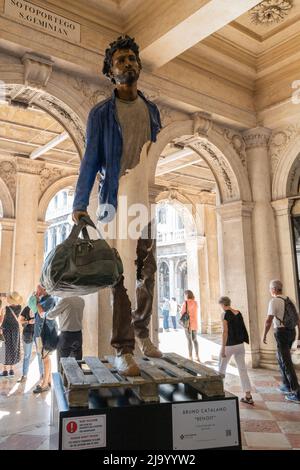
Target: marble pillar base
<point x="268" y="359"/>
<point x="211" y="328"/>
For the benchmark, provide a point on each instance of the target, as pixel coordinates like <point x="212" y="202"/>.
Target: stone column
<point x="97" y="319"/>
<point x="238" y="268"/>
<point x="154" y="323"/>
<point x="41" y="230"/>
<point x="172" y="277"/>
<point x="210" y="228"/>
<point x="25" y="239"/>
<point x="284" y="230"/>
<point x="264" y="236"/>
<point x="7" y="227"/>
<point x="203" y="284"/>
<point x="192" y="267"/>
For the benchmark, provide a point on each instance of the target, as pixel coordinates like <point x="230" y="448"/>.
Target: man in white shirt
<point x="284" y="338"/>
<point x="69" y="311"/>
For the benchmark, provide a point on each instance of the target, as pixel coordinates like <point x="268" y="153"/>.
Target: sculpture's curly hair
<point x="123" y="42"/>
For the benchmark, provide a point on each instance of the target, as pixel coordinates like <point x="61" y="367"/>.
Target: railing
<point x="171" y="237"/>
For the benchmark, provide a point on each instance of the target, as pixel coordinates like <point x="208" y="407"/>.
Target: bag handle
<point x="81" y="227"/>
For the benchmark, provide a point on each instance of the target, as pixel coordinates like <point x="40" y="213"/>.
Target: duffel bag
<point x="81" y="266"/>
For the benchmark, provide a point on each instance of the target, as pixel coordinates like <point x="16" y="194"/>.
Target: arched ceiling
<point x="33" y="133"/>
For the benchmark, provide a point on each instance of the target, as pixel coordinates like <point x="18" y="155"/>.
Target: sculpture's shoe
<point x="148" y="348"/>
<point x="126" y="365"/>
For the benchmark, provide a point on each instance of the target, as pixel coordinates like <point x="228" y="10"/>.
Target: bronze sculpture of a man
<point x="117" y="131"/>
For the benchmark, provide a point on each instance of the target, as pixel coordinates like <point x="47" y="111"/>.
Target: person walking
<point x="165" y="312"/>
<point x="69" y="312"/>
<point x="190" y="306"/>
<point x="27" y="322"/>
<point x="284" y="316"/>
<point x="10" y="353"/>
<point x="44" y="303"/>
<point x="233" y="338"/>
<point x="173" y="312"/>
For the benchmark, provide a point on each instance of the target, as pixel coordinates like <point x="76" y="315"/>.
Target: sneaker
<point x="126" y="365"/>
<point x="4" y="374"/>
<point x="11" y="373"/>
<point x="293" y="397"/>
<point x="22" y="379"/>
<point x="40" y="389"/>
<point x="284" y="389"/>
<point x="148" y="348"/>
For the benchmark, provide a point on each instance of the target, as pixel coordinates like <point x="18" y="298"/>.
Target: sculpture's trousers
<point x="128" y="323"/>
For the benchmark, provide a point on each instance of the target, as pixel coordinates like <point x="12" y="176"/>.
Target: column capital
<point x="26" y="165"/>
<point x="258" y="137"/>
<point x="282" y="206"/>
<point x="7" y="224"/>
<point x="234" y="210"/>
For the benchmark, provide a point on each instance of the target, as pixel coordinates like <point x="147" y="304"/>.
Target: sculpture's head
<point x="122" y="64"/>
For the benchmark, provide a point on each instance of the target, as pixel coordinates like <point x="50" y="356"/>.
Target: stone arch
<point x="7" y="202"/>
<point x="69" y="109"/>
<point x="62" y="183"/>
<point x="287" y="171"/>
<point x="180" y="199"/>
<point x="218" y="147"/>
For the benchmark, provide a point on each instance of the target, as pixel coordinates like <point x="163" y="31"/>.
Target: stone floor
<point x="273" y="423"/>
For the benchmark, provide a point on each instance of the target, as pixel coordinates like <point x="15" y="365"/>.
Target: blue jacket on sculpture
<point x="103" y="154"/>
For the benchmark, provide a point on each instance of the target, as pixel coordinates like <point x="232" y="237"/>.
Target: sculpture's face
<point x="125" y="68"/>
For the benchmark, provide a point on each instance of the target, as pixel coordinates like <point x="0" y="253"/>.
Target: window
<point x="162" y="215"/>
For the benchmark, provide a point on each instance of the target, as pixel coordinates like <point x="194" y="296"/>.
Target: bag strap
<point x="186" y="307"/>
<point x="81" y="227"/>
<point x="278" y="297"/>
<point x="15" y="316"/>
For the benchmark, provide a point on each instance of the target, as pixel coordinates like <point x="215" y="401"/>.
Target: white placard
<point x="37" y="17"/>
<point x="205" y="425"/>
<point x="84" y="432"/>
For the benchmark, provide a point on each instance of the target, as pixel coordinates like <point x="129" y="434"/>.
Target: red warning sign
<point x="71" y="427"/>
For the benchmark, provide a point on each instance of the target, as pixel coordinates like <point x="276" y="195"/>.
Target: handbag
<point x="185" y="318"/>
<point x="81" y="266"/>
<point x="49" y="335"/>
<point x="28" y="334"/>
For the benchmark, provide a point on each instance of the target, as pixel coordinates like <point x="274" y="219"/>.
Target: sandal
<point x="248" y="400"/>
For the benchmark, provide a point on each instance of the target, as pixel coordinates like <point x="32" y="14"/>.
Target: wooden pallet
<point x="80" y="377"/>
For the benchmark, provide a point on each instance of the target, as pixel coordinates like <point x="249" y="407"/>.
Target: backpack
<point x="290" y="316"/>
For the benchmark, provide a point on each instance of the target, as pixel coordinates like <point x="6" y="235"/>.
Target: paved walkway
<point x="273" y="423"/>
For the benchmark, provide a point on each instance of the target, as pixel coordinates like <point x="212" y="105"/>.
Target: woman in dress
<point x="233" y="339"/>
<point x="190" y="305"/>
<point x="10" y="350"/>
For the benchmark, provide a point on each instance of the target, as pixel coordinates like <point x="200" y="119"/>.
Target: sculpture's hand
<point x="76" y="216"/>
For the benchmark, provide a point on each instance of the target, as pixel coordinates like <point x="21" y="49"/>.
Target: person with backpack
<point x="284" y="316"/>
